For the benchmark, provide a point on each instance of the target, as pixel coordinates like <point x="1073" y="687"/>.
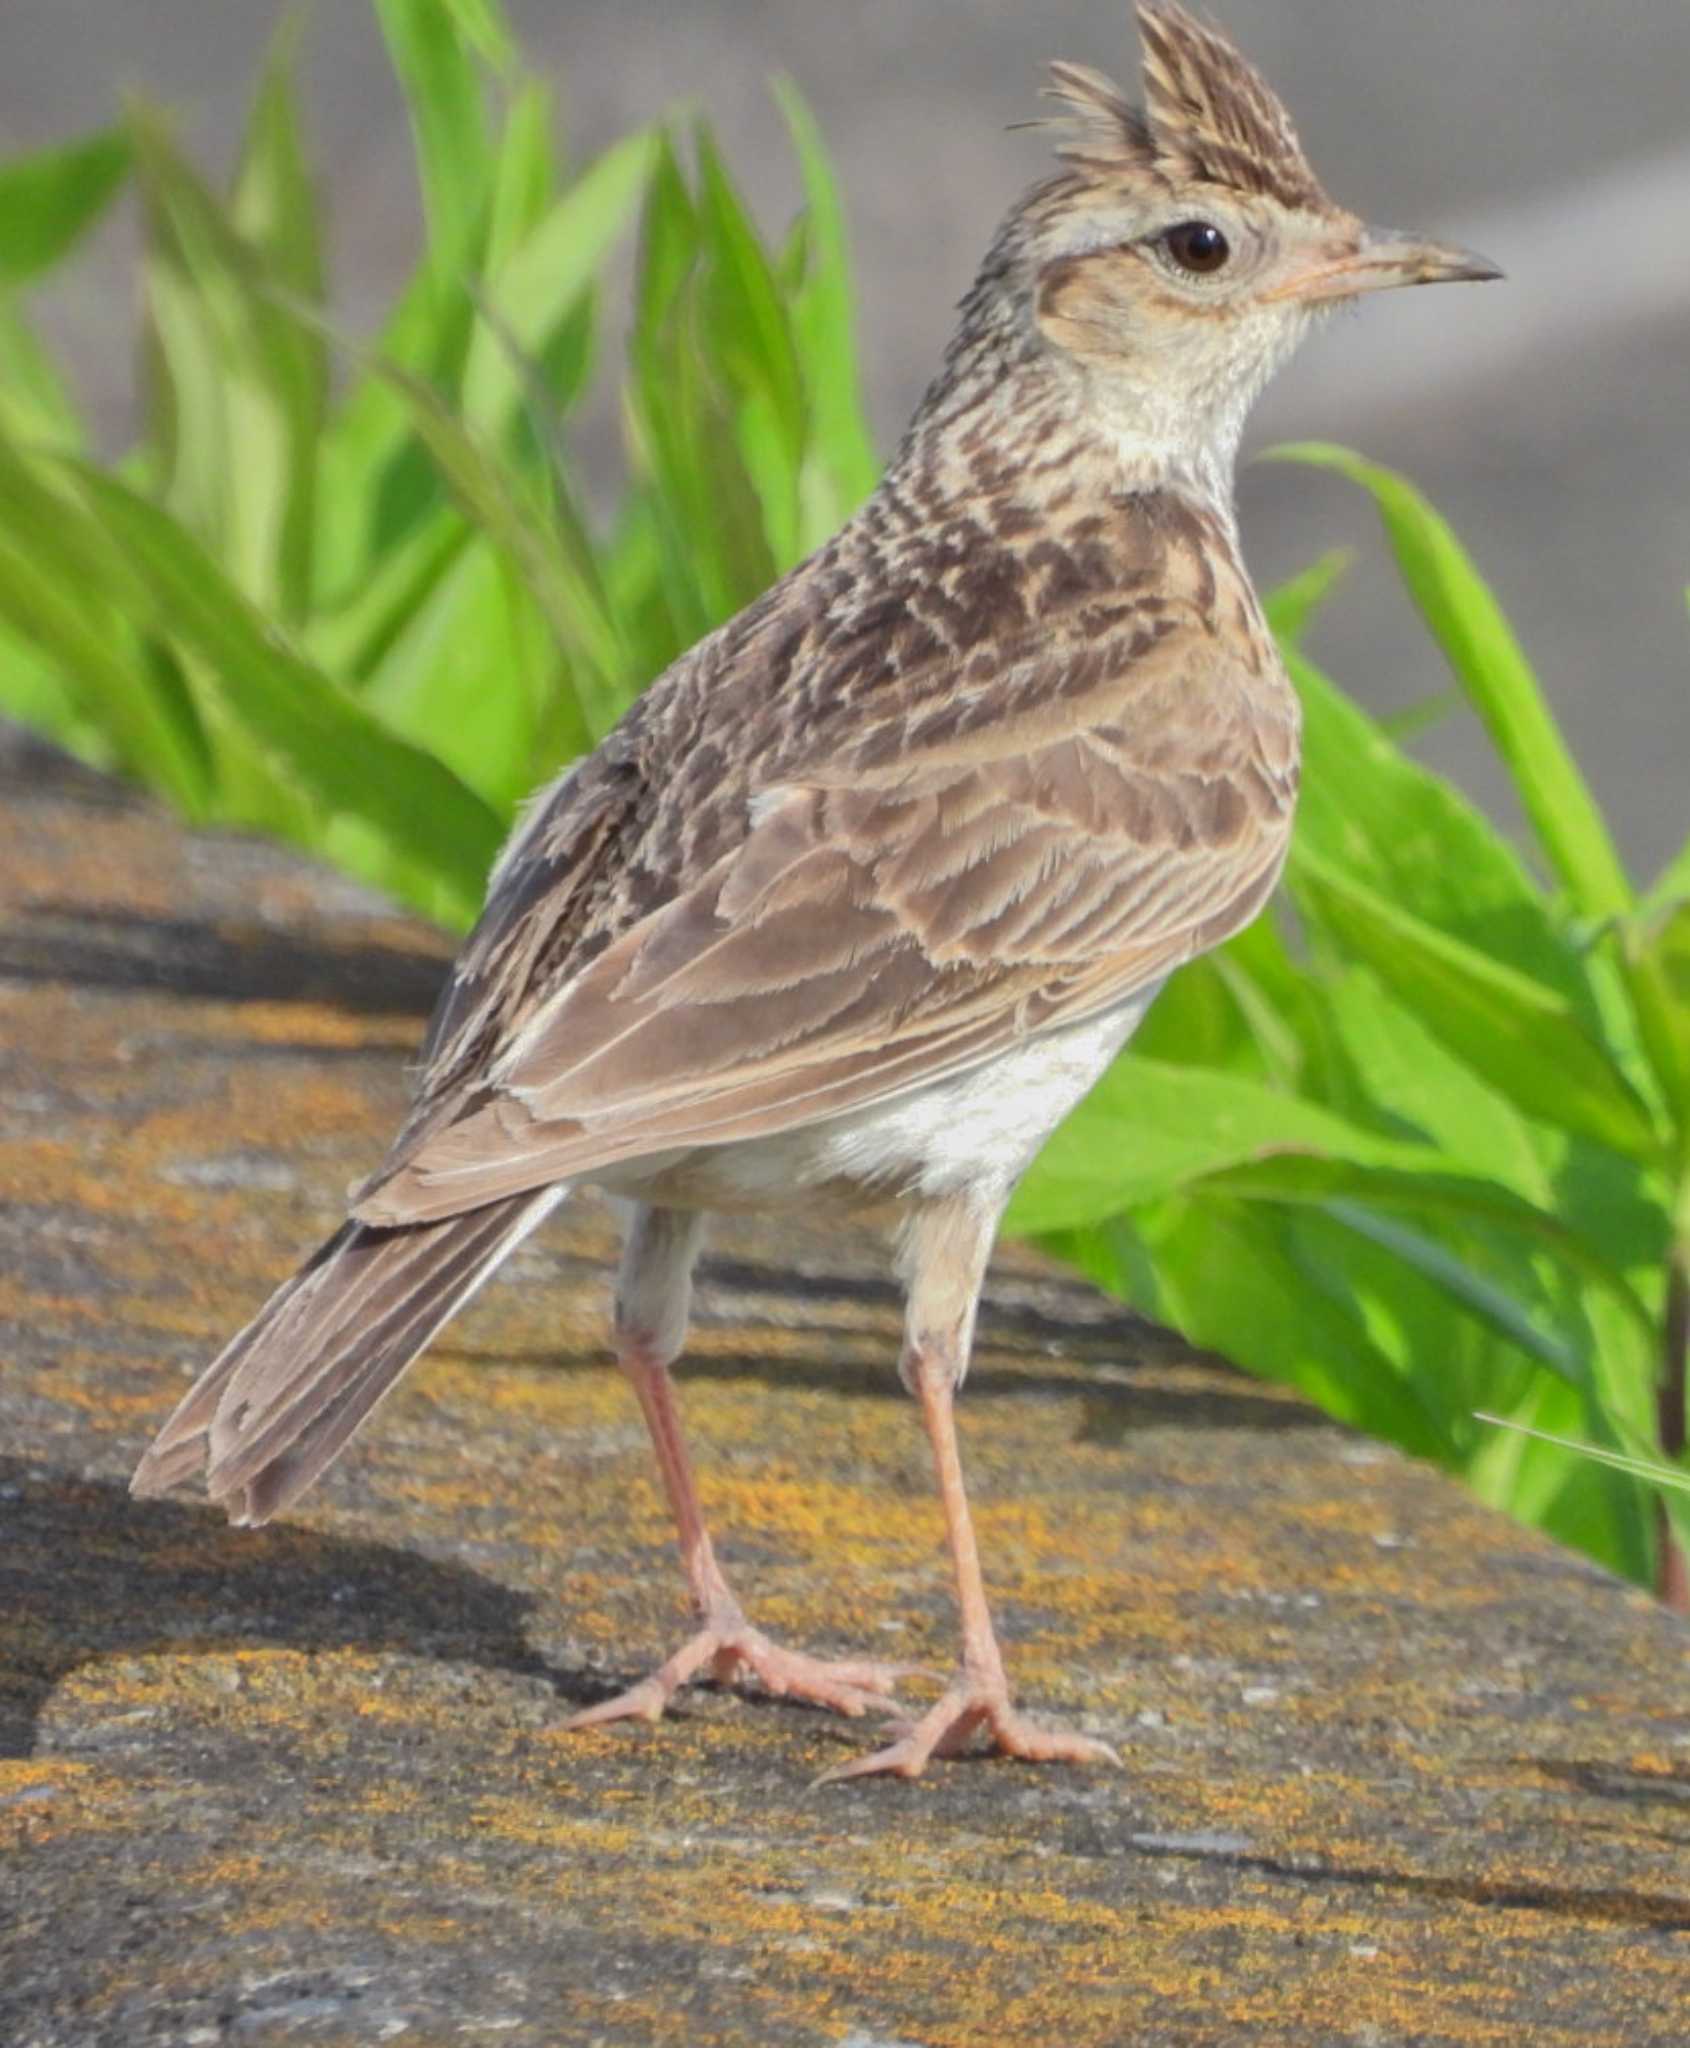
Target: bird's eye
<point x="1198" y="246"/>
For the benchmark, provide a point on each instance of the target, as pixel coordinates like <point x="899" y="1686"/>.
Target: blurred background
<point x="1549" y="417"/>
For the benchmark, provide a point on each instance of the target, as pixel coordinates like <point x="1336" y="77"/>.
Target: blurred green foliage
<point x="1418" y="1142"/>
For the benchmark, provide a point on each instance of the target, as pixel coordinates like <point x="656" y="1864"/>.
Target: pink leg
<point x="651" y="1315"/>
<point x="945" y="1270"/>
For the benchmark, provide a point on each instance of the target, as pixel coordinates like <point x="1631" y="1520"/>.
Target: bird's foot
<point x="946" y="1729"/>
<point x="726" y="1648"/>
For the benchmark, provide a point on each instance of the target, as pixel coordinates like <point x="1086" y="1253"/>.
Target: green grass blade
<point x="687" y="422"/>
<point x="823" y="316"/>
<point x="329" y="747"/>
<point x="1482" y="1297"/>
<point x="239" y="375"/>
<point x="525" y="175"/>
<point x="1487" y="659"/>
<point x="446" y="103"/>
<point x="544" y="279"/>
<point x="1667" y="1484"/>
<point x="483" y="25"/>
<point x="1522" y="1037"/>
<point x="752" y="330"/>
<point x="1292" y="608"/>
<point x="153" y="739"/>
<point x="750" y="347"/>
<point x="35" y="403"/>
<point x="1656" y="957"/>
<point x="1238" y="1278"/>
<point x="275" y="209"/>
<point x="1434" y="1197"/>
<point x="554" y="556"/>
<point x="1175" y="1125"/>
<point x="1370" y="810"/>
<point x="1653" y="1470"/>
<point x="351" y="639"/>
<point x="51" y="198"/>
<point x="61" y="565"/>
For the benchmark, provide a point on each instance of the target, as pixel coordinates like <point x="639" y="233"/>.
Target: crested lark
<point x="866" y="891"/>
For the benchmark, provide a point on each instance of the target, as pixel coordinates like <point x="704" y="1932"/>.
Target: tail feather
<point x="283" y="1399"/>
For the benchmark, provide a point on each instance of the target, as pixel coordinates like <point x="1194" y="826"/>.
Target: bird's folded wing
<point x="893" y="914"/>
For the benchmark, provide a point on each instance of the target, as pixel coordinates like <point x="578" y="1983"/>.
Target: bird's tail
<point x="282" y="1400"/>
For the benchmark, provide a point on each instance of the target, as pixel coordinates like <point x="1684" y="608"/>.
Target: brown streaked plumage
<point x="864" y="893"/>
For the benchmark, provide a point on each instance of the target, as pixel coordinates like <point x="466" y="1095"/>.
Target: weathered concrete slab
<point x="1398" y="1772"/>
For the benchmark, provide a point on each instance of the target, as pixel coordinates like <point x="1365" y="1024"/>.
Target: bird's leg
<point x="945" y="1252"/>
<point x="652" y="1301"/>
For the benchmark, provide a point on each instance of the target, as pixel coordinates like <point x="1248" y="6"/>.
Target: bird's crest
<point x="1208" y="116"/>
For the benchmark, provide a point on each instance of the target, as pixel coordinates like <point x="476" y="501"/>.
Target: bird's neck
<point x="1010" y="418"/>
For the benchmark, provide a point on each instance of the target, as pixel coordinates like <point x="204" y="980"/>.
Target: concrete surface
<point x="1397" y="1772"/>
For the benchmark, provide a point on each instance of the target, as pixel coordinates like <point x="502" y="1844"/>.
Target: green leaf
<point x="34" y="402"/>
<point x="378" y="485"/>
<point x="751" y="367"/>
<point x="1520" y="1035"/>
<point x="1292" y="607"/>
<point x="50" y="199"/>
<point x="685" y="423"/>
<point x="1412" y="720"/>
<point x="483" y="26"/>
<point x="555" y="557"/>
<point x="1238" y="1277"/>
<point x="1479" y="643"/>
<point x="446" y="102"/>
<point x="55" y="563"/>
<point x="1362" y="1196"/>
<point x="543" y="281"/>
<point x="344" y="759"/>
<point x="1656" y="957"/>
<point x="751" y="323"/>
<point x="525" y="176"/>
<point x="239" y="381"/>
<point x="350" y="639"/>
<point x="1458" y="1278"/>
<point x="1369" y="809"/>
<point x="823" y="320"/>
<point x="1172" y="1126"/>
<point x="275" y="209"/>
<point x="1410" y="1073"/>
<point x="472" y="677"/>
<point x="153" y="740"/>
<point x="1670" y="887"/>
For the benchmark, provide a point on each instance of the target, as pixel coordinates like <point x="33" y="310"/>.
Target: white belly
<point x="976" y="1131"/>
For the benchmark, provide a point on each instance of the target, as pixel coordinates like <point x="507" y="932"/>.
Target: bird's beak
<point x="1376" y="260"/>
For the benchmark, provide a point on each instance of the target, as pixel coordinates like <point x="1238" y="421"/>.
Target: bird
<point x="866" y="890"/>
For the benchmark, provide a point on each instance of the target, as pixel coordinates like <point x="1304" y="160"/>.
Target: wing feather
<point x="886" y="919"/>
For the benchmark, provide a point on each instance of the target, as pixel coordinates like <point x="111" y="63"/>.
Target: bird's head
<point x="1184" y="249"/>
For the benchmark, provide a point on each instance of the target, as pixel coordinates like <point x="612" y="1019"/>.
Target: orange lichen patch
<point x="810" y="1516"/>
<point x="284" y="1110"/>
<point x="306" y="1025"/>
<point x="43" y="1170"/>
<point x="127" y="859"/>
<point x="259" y="1687"/>
<point x="470" y="1393"/>
<point x="42" y="1799"/>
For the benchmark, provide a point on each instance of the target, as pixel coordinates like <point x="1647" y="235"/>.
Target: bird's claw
<point x="727" y="1651"/>
<point x="947" y="1728"/>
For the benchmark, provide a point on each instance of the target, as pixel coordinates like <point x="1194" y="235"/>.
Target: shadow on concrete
<point x="124" y="949"/>
<point x="89" y="1573"/>
<point x="1606" y="1905"/>
<point x="1109" y="1416"/>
